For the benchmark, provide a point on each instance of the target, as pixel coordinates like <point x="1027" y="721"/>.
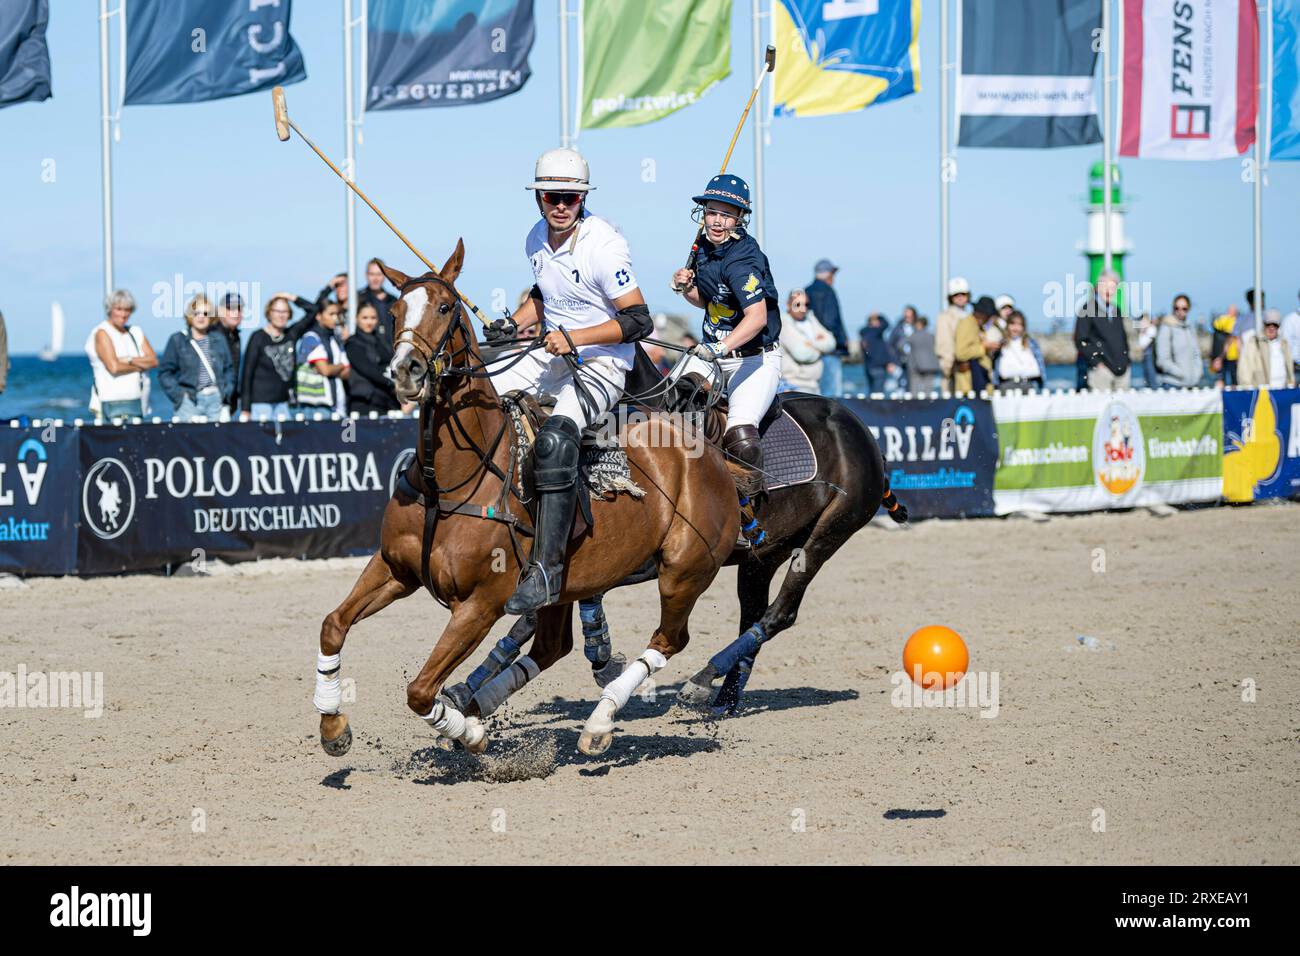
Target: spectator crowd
<point x="309" y="363"/>
<point x="312" y="362"/>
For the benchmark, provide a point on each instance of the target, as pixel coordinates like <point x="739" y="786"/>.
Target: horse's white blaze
<point x="417" y="300"/>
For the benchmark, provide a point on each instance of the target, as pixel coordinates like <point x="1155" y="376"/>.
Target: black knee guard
<point x="742" y="444"/>
<point x="555" y="453"/>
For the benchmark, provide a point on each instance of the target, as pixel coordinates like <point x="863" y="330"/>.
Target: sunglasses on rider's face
<point x="561" y="199"/>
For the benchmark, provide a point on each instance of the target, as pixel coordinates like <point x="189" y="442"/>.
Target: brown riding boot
<point x="743" y="446"/>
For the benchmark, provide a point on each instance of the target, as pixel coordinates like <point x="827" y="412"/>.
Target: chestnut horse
<point x="459" y="536"/>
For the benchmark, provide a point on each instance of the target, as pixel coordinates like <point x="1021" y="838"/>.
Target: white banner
<point x="1190" y="74"/>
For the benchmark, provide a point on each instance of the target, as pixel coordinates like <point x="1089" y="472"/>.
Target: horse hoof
<point x="340" y="744"/>
<point x="695" y="695"/>
<point x="593" y="745"/>
<point x="475" y="739"/>
<point x="444" y="743"/>
<point x="611" y="671"/>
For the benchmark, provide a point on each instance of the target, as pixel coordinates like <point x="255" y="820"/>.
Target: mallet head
<point x="282" y="113"/>
<point x="769" y="59"/>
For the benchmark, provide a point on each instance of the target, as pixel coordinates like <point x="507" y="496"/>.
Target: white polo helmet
<point x="561" y="169"/>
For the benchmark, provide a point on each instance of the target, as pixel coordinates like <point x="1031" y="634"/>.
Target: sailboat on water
<point x="51" y="351"/>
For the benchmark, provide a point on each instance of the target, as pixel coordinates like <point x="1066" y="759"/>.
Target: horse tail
<point x="897" y="510"/>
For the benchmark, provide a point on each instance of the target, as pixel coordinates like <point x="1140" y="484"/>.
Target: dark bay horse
<point x="805" y="525"/>
<point x="458" y="536"/>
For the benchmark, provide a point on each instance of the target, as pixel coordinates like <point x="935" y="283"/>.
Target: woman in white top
<point x="1020" y="362"/>
<point x="804" y="341"/>
<point x="120" y="358"/>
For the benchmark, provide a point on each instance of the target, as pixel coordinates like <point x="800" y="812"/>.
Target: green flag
<point x="642" y="61"/>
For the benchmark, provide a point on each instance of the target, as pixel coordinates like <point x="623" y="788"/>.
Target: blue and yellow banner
<point x="1261" y="443"/>
<point x="840" y="56"/>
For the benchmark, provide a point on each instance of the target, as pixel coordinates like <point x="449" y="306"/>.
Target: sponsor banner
<point x="845" y="55"/>
<point x="426" y="53"/>
<point x="155" y="495"/>
<point x="191" y="51"/>
<point x="682" y="48"/>
<point x="1284" y="122"/>
<point x="939" y="454"/>
<point x="1191" y="69"/>
<point x="24" y="56"/>
<point x="1261" y="443"/>
<point x="1025" y="77"/>
<point x="1095" y="450"/>
<point x="37" y="514"/>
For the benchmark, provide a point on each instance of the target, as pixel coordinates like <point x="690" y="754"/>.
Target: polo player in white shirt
<point x="587" y="299"/>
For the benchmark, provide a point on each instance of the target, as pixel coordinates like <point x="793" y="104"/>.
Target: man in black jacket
<point x="230" y="316"/>
<point x="1101" y="336"/>
<point x="825" y="305"/>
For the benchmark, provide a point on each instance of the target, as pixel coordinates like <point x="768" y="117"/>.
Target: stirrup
<point x="750" y="529"/>
<point x="521" y="603"/>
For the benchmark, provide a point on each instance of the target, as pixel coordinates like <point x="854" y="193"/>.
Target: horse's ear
<point x="451" y="269"/>
<point x="398" y="279"/>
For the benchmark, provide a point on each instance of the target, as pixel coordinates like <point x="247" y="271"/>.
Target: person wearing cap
<point x="230" y="315"/>
<point x="1101" y="336"/>
<point x="945" y="327"/>
<point x="825" y="304"/>
<point x="1266" y="360"/>
<point x="586" y="299"/>
<point x="972" y="369"/>
<point x="732" y="282"/>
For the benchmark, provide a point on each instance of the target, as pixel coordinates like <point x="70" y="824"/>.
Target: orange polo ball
<point x="941" y="655"/>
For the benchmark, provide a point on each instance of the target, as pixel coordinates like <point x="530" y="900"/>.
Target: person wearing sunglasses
<point x="585" y="299"/>
<point x="732" y="282"/>
<point x="1177" y="350"/>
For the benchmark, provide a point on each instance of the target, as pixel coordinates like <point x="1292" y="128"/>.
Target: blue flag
<point x="446" y="52"/>
<point x="24" y="57"/>
<point x="1284" y="125"/>
<point x="189" y="51"/>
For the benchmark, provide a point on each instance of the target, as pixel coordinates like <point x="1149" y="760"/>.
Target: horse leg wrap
<point x="746" y="645"/>
<point x="494" y="693"/>
<point x="595" y="631"/>
<point x="498" y="659"/>
<point x="450" y="722"/>
<point x="329" y="690"/>
<point x="728" y="699"/>
<point x="620" y="689"/>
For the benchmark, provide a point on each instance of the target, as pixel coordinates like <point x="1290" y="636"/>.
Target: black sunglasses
<point x="561" y="199"/>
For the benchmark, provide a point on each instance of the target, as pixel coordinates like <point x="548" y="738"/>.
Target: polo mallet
<point x="769" y="64"/>
<point x="282" y="126"/>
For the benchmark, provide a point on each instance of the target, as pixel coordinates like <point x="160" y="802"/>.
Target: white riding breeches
<point x="750" y="382"/>
<point x="545" y="375"/>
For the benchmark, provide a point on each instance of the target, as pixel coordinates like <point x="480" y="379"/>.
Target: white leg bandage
<point x="329" y="692"/>
<point x="447" y="721"/>
<point x="494" y="693"/>
<point x="622" y="687"/>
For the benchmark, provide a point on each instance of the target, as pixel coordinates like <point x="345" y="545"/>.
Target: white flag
<point x="1190" y="74"/>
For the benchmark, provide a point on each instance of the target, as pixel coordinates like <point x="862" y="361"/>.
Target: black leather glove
<point x="500" y="329"/>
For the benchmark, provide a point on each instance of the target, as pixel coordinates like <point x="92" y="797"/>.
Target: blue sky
<point x="206" y="191"/>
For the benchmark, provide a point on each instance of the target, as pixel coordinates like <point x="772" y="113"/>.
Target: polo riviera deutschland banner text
<point x="1097" y="450"/>
<point x="844" y="55"/>
<point x="1190" y="76"/>
<point x="424" y="53"/>
<point x="643" y="61"/>
<point x="1026" y="73"/>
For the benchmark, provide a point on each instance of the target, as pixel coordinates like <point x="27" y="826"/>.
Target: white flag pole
<point x="562" y="6"/>
<point x="760" y="68"/>
<point x="106" y="147"/>
<point x="944" y="106"/>
<point x="577" y="90"/>
<point x="1260" y="160"/>
<point x="1107" y="162"/>
<point x="349" y="165"/>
